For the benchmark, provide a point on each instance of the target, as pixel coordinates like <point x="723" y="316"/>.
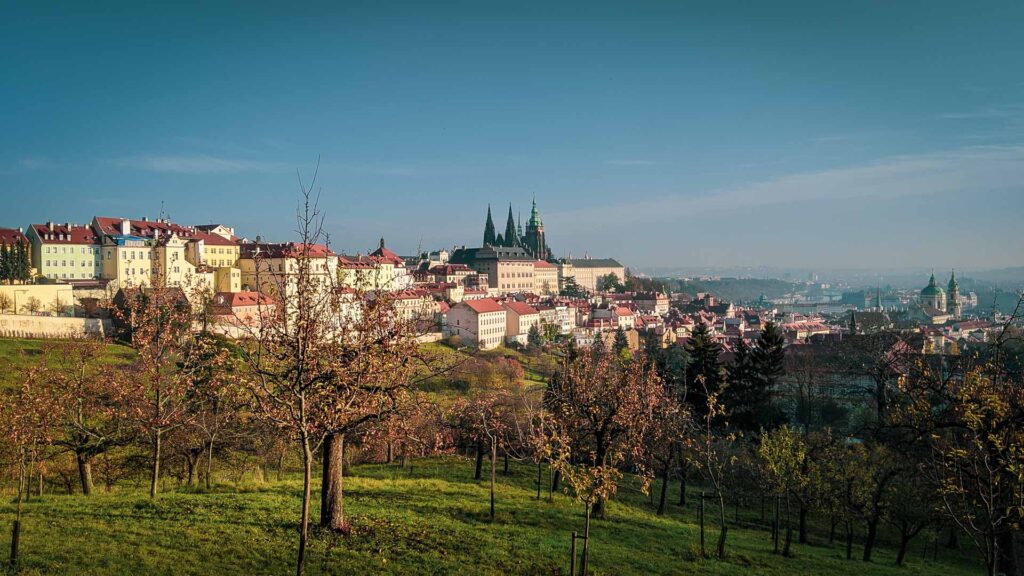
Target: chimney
<point x="49" y="224"/>
<point x="67" y="225"/>
<point x="126" y="227"/>
<point x="145" y="218"/>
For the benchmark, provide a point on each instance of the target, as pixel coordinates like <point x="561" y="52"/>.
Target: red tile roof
<point x="521" y="308"/>
<point x="61" y="234"/>
<point x="286" y="250"/>
<point x="484" y="305"/>
<point x="12" y="236"/>
<point x="543" y="264"/>
<point x="149" y="228"/>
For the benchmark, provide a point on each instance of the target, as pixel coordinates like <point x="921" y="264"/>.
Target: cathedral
<point x="532" y="241"/>
<point x="934" y="297"/>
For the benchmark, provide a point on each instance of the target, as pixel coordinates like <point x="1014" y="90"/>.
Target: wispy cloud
<point x="974" y="170"/>
<point x="990" y="113"/>
<point x="197" y="164"/>
<point x="35" y="163"/>
<point x="631" y="162"/>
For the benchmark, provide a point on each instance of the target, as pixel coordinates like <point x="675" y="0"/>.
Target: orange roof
<point x="543" y="264"/>
<point x="236" y="299"/>
<point x="520" y="308"/>
<point x="484" y="305"/>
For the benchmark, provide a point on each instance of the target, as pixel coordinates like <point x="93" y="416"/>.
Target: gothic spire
<point x="489" y="239"/>
<point x="510" y="229"/>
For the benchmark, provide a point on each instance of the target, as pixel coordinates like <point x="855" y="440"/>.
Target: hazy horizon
<point x="789" y="135"/>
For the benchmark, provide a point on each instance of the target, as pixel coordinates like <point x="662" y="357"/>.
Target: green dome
<point x="932" y="289"/>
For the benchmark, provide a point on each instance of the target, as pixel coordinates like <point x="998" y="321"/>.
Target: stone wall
<point x="24" y="326"/>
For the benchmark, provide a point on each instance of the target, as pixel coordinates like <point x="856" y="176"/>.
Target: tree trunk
<point x="803" y="524"/>
<point x="540" y="470"/>
<point x="904" y="541"/>
<point x="849" y="540"/>
<point x="789" y="528"/>
<point x="332" y="508"/>
<point x="953" y="543"/>
<point x="209" y="464"/>
<point x="724" y="529"/>
<point x="775" y="524"/>
<point x="682" y="486"/>
<point x="586" y="542"/>
<point x="190" y="467"/>
<point x="869" y="540"/>
<point x="505" y="472"/>
<point x="703" y="552"/>
<point x="494" y="463"/>
<point x="16" y="526"/>
<point x="307" y="476"/>
<point x="662" y="501"/>
<point x="391" y="454"/>
<point x="556" y="482"/>
<point x="85" y="472"/>
<point x="155" y="472"/>
<point x="1006" y="558"/>
<point x="479" y="461"/>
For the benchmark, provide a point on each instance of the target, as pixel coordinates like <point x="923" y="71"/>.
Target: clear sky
<point x="832" y="134"/>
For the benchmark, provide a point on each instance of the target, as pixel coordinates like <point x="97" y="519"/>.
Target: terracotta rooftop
<point x="484" y="305"/>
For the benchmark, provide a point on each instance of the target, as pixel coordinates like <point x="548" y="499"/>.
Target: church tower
<point x="953" y="296"/>
<point x="511" y="239"/>
<point x="933" y="296"/>
<point x="489" y="238"/>
<point x="534" y="238"/>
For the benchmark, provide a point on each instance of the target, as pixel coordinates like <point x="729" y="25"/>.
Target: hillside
<point x="427" y="518"/>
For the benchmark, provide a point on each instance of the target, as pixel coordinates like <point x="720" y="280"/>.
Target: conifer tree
<point x="744" y="398"/>
<point x="703" y="364"/>
<point x="768" y="363"/>
<point x="5" y="263"/>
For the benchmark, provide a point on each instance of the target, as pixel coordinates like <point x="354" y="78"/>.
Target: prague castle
<point x="532" y="242"/>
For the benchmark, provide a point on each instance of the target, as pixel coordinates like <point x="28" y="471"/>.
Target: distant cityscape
<point x="504" y="290"/>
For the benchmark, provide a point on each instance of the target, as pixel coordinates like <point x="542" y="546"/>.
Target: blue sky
<point x="802" y="134"/>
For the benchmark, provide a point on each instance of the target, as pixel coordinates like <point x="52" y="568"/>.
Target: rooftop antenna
<point x="161" y="209"/>
<point x="419" y="247"/>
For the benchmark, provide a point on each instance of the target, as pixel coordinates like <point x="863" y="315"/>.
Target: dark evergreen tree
<point x="533" y="337"/>
<point x="489" y="237"/>
<point x="5" y="263"/>
<point x="769" y="359"/>
<point x="744" y="398"/>
<point x="571" y="289"/>
<point x="24" y="263"/>
<point x="621" y="342"/>
<point x="703" y="367"/>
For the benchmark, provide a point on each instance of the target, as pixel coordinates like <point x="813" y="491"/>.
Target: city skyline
<point x="791" y="136"/>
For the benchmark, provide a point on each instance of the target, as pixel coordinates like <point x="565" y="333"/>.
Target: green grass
<point x="433" y="520"/>
<point x="17" y="355"/>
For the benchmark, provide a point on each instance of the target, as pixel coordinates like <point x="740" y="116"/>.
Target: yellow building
<point x="587" y="271"/>
<point x="144" y="252"/>
<point x="271" y="268"/>
<point x="65" y="251"/>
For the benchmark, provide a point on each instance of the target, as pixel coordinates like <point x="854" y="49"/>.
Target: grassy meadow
<point x="429" y="517"/>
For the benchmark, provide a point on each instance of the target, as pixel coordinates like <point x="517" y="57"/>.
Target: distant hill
<point x="735" y="289"/>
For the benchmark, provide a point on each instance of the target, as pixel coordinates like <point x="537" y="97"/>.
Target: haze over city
<point x="795" y="134"/>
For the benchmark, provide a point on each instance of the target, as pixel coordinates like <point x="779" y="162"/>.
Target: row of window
<point x="71" y="250"/>
<point x="64" y="263"/>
